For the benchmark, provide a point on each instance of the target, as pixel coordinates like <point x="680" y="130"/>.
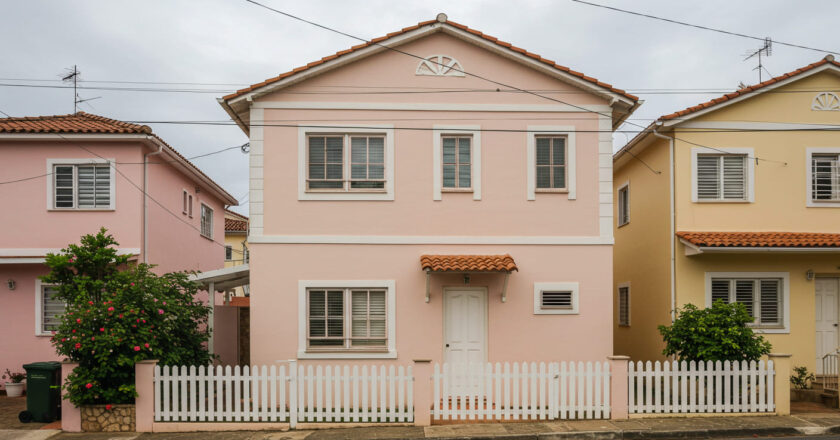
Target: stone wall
<point x="108" y="418"/>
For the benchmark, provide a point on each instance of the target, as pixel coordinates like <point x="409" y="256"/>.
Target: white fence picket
<point x="701" y="387"/>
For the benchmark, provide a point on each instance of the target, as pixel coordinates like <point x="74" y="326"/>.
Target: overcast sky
<point x="232" y="42"/>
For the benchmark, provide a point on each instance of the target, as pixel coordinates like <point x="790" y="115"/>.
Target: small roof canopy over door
<point x="502" y="264"/>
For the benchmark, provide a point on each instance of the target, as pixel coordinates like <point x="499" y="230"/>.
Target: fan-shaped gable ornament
<point x="826" y="101"/>
<point x="440" y="65"/>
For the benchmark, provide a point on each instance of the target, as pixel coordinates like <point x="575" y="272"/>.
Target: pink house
<point x="65" y="176"/>
<point x="403" y="208"/>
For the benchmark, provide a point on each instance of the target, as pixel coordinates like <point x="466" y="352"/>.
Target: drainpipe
<point x="673" y="225"/>
<point x="146" y="202"/>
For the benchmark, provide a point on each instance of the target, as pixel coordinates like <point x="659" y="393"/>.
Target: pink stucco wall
<point x="28" y="224"/>
<point x="515" y="332"/>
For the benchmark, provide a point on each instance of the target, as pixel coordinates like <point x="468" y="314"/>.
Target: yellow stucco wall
<point x="642" y="254"/>
<point x="780" y="188"/>
<point x="235" y="241"/>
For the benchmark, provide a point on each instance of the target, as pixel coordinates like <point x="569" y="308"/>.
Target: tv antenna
<point x="766" y="50"/>
<point x="74" y="75"/>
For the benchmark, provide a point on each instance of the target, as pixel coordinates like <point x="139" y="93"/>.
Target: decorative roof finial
<point x="441" y="18"/>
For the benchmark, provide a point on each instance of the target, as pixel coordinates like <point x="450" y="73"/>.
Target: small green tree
<point x="118" y="313"/>
<point x="719" y="332"/>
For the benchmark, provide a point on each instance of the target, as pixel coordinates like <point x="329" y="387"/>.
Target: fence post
<point x="618" y="385"/>
<point x="293" y="399"/>
<point x="144" y="404"/>
<point x="781" y="382"/>
<point x="422" y="392"/>
<point x="71" y="416"/>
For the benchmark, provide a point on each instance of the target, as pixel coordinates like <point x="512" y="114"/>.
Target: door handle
<point x="835" y="324"/>
<point x="447" y="345"/>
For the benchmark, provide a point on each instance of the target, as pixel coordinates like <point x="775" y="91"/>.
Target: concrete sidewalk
<point x="671" y="427"/>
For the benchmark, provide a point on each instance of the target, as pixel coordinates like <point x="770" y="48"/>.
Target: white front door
<point x="465" y="326"/>
<point x="826" y="290"/>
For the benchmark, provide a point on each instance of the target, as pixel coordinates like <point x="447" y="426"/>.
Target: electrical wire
<point x="706" y="28"/>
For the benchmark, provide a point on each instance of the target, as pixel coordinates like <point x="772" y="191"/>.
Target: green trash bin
<point x="43" y="392"/>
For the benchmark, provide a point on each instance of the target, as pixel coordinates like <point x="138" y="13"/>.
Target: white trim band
<point x="431" y="239"/>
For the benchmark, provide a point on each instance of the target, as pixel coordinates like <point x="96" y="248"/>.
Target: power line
<point x="706" y="28"/>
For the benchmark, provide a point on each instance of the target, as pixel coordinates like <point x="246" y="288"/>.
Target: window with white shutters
<point x="721" y="177"/>
<point x="347" y="319"/>
<point x="51" y="309"/>
<point x="332" y="167"/>
<point x="457" y="162"/>
<point x="623" y="205"/>
<point x="825" y="178"/>
<point x="82" y="187"/>
<point x="762" y="297"/>
<point x="551" y="162"/>
<point x="206" y="221"/>
<point x="624" y="306"/>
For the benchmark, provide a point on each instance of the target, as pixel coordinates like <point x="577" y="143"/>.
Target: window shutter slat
<point x="720" y="290"/>
<point x="734" y="177"/>
<point x="745" y="294"/>
<point x="624" y="306"/>
<point x="708" y="177"/>
<point x="770" y="302"/>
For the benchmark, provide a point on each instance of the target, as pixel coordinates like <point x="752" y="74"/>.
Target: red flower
<point x="147" y="345"/>
<point x="89" y="385"/>
<point x="73" y="331"/>
<point x="108" y="407"/>
<point x="93" y="338"/>
<point x="78" y="320"/>
<point x="78" y="345"/>
<point x="136" y="348"/>
<point x="90" y="302"/>
<point x="111" y="309"/>
<point x="102" y="329"/>
<point x="160" y="311"/>
<point x="121" y="315"/>
<point x="132" y="284"/>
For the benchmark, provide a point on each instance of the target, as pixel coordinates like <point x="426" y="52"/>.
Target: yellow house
<point x="736" y="199"/>
<point x="236" y="244"/>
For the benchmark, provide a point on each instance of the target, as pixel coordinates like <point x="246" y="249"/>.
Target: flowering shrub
<point x="119" y="313"/>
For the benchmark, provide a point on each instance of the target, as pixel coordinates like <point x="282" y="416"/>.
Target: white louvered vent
<point x="556" y="300"/>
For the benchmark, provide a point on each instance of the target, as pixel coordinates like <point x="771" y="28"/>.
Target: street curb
<point x="635" y="434"/>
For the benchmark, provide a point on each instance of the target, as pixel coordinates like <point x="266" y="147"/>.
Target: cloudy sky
<point x="230" y="43"/>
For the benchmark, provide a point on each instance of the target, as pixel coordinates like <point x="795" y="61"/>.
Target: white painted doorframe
<point x="446" y="316"/>
<point x="826" y="293"/>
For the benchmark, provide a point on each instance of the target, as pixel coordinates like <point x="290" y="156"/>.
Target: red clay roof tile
<point x="761" y="239"/>
<point x="417" y="26"/>
<point x="233" y="225"/>
<point x="468" y="263"/>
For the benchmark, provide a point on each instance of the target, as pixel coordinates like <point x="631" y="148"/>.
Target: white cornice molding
<point x="430" y="106"/>
<point x="750" y="125"/>
<point x="431" y="239"/>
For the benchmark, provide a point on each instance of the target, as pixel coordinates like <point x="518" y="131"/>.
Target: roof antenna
<point x="767" y="50"/>
<point x="74" y="75"/>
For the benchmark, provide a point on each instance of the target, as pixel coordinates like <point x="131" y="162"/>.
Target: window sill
<point x="623" y="225"/>
<point x="352" y="191"/>
<point x="456" y="190"/>
<point x="823" y="204"/>
<point x="348" y="354"/>
<point x="551" y="191"/>
<point x="771" y="330"/>
<point x="205" y="236"/>
<point x="79" y="209"/>
<point x="43" y="335"/>
<point x="722" y="201"/>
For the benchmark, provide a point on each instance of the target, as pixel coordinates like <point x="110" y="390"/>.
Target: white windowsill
<point x="79" y="209"/>
<point x="456" y="190"/>
<point x="552" y="191"/>
<point x="387" y="354"/>
<point x="722" y="201"/>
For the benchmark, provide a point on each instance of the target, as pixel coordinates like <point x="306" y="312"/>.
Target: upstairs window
<point x="825" y="178"/>
<point x="721" y="177"/>
<point x="333" y="167"/>
<point x="206" y="221"/>
<point x="228" y="253"/>
<point x="82" y="186"/>
<point x="624" y="205"/>
<point x="456" y="160"/>
<point x="762" y="298"/>
<point x="190" y="205"/>
<point x="551" y="163"/>
<point x="347" y="319"/>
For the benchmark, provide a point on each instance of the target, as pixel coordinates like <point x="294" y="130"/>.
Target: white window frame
<point x="190" y="205"/>
<point x="39" y="307"/>
<point x="541" y="287"/>
<point x="228" y="250"/>
<point x="303" y="170"/>
<point x="568" y="132"/>
<point x="749" y="179"/>
<point x="809" y="153"/>
<point x="185" y="201"/>
<point x="618" y="306"/>
<point x="438" y="132"/>
<point x="391" y="311"/>
<point x="784" y="276"/>
<point x="52" y="163"/>
<point x="202" y="206"/>
<point x="619" y="217"/>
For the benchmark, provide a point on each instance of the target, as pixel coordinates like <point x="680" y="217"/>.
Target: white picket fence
<point x="521" y="391"/>
<point x="700" y="387"/>
<point x="270" y="394"/>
